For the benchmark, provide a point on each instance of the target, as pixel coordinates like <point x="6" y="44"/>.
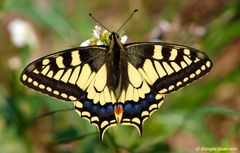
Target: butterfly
<point x="116" y="83"/>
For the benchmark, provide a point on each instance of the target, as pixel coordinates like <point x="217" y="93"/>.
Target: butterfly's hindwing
<point x="139" y="101"/>
<point x="167" y="67"/>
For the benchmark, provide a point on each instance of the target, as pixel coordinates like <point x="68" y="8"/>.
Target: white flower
<point x="85" y="43"/>
<point x="100" y="37"/>
<point x="124" y="39"/>
<point x="97" y="32"/>
<point x="22" y="33"/>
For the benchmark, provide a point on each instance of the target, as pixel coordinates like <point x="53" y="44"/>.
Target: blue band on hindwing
<point x="131" y="109"/>
<point x="103" y="112"/>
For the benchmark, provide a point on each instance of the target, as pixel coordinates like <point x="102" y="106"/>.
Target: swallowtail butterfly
<point x="116" y="83"/>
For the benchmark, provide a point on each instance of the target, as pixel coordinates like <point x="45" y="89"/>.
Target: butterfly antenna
<point x="99" y="22"/>
<point x="127" y="20"/>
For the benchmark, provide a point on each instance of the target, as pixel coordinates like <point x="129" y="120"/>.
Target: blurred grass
<point x="204" y="114"/>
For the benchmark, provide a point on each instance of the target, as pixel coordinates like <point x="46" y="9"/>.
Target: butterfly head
<point x="113" y="36"/>
<point x="114" y="40"/>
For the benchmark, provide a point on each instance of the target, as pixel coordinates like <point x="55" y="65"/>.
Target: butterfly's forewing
<point x="168" y="67"/>
<point x="78" y="75"/>
<point x="157" y="69"/>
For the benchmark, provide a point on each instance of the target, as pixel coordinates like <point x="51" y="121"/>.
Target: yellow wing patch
<point x="137" y="87"/>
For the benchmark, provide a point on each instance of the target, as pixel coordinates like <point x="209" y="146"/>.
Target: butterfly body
<point x="116" y="62"/>
<point x="116" y="83"/>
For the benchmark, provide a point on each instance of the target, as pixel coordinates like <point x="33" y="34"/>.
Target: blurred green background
<point x="203" y="114"/>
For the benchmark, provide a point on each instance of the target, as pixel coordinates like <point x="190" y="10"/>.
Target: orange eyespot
<point x="118" y="109"/>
